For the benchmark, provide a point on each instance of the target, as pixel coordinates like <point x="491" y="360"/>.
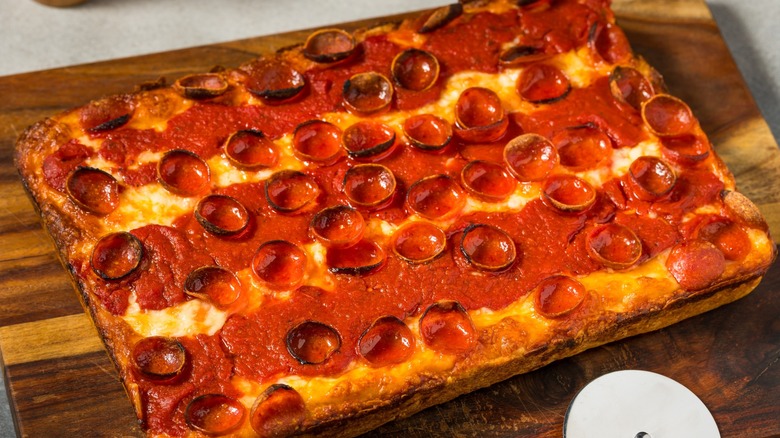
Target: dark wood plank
<point x="729" y="357"/>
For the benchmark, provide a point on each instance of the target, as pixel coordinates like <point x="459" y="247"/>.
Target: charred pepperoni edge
<point x="206" y="398"/>
<point x="440" y="234"/>
<point x="137" y="246"/>
<point x="198" y="273"/>
<point x="402" y="328"/>
<point x="387" y="193"/>
<point x="238" y="163"/>
<point x="374" y="150"/>
<point x="79" y="170"/>
<point x="372" y="78"/>
<point x="174" y="345"/>
<point x="441" y="17"/>
<point x="361" y="248"/>
<point x="510" y="257"/>
<point x="281" y="94"/>
<point x="289" y="174"/>
<point x="414" y="52"/>
<point x="291" y="334"/>
<point x="519" y="55"/>
<point x="214" y="228"/>
<point x="193" y="91"/>
<point x="329" y="57"/>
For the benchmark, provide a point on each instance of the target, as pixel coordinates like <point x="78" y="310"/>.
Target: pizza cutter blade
<point x="637" y="404"/>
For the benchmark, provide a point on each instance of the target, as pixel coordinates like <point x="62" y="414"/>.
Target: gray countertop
<point x="35" y="37"/>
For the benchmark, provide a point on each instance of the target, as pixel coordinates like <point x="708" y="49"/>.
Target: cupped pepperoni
<point x="726" y="235"/>
<point x="582" y="148"/>
<point x="214" y="284"/>
<point x="368" y="140"/>
<point x="530" y="157"/>
<point x="312" y="342"/>
<point x="435" y="197"/>
<point x="427" y="132"/>
<point x="214" y="414"/>
<point x="290" y="191"/>
<point x="440" y="17"/>
<point x="251" y="149"/>
<point x="116" y="255"/>
<point x="609" y="42"/>
<point x="558" y="295"/>
<point x="221" y="215"/>
<point x="568" y="193"/>
<point x="480" y="116"/>
<point x="614" y="246"/>
<point x="361" y="258"/>
<point x="339" y="226"/>
<point x="278" y="411"/>
<point x="94" y="190"/>
<point x="183" y="173"/>
<point x="696" y="264"/>
<point x="369" y="185"/>
<point x="387" y="342"/>
<point x="542" y="83"/>
<point x="446" y="327"/>
<point x="415" y="69"/>
<point x="488" y="248"/>
<point x="160" y="359"/>
<point x="367" y="93"/>
<point x="521" y="55"/>
<point x="106" y="114"/>
<point x="488" y="181"/>
<point x="329" y="45"/>
<point x="419" y="242"/>
<point x="742" y="209"/>
<point x="274" y="80"/>
<point x="280" y="264"/>
<point x="687" y="149"/>
<point x="650" y="178"/>
<point x="201" y="85"/>
<point x="317" y="141"/>
<point x="668" y="116"/>
<point x="630" y="86"/>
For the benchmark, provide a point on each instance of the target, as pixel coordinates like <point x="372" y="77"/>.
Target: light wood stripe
<point x="48" y="339"/>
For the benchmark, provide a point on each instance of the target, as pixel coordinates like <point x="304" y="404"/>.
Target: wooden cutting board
<point x="62" y="383"/>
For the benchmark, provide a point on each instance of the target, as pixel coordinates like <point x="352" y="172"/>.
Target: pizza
<point x="363" y="225"/>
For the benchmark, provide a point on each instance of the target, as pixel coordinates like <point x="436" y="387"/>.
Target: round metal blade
<point x="637" y="404"/>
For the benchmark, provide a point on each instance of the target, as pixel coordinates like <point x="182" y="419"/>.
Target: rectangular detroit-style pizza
<point x="352" y="229"/>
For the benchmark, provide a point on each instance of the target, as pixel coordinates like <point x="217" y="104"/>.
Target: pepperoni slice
<point x="360" y="258"/>
<point x="530" y="157"/>
<point x="280" y="264"/>
<point x="369" y="185"/>
<point x="214" y="414"/>
<point x="488" y="181"/>
<point x="201" y="86"/>
<point x="214" y="284"/>
<point x="94" y="190"/>
<point x="290" y="191"/>
<point x="435" y="197"/>
<point x="479" y="116"/>
<point x="339" y="226"/>
<point x="251" y="149"/>
<point x="727" y="236"/>
<point x="221" y="215"/>
<point x="668" y="116"/>
<point x="419" y="242"/>
<point x="520" y="55"/>
<point x="488" y="248"/>
<point x="329" y="45"/>
<point x="582" y="148"/>
<point x="317" y="141"/>
<point x="387" y="342"/>
<point x="367" y="93"/>
<point x="278" y="411"/>
<point x="542" y="83"/>
<point x="116" y="255"/>
<point x="274" y="80"/>
<point x="159" y="358"/>
<point x="415" y="69"/>
<point x="183" y="173"/>
<point x="569" y="193"/>
<point x="427" y="132"/>
<point x="650" y="178"/>
<point x="446" y="327"/>
<point x="687" y="149"/>
<point x="558" y="295"/>
<point x="368" y="139"/>
<point x="441" y="17"/>
<point x="629" y="86"/>
<point x="312" y="342"/>
<point x="610" y="43"/>
<point x="614" y="246"/>
<point x="696" y="264"/>
<point x="106" y="114"/>
<point x="743" y="209"/>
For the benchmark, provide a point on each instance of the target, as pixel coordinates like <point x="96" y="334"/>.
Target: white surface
<point x="35" y="37"/>
<point x="626" y="404"/>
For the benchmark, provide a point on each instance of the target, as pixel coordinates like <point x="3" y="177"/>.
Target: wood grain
<point x="61" y="382"/>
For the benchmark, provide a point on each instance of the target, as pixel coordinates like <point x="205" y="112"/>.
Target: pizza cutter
<point x="637" y="404"/>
